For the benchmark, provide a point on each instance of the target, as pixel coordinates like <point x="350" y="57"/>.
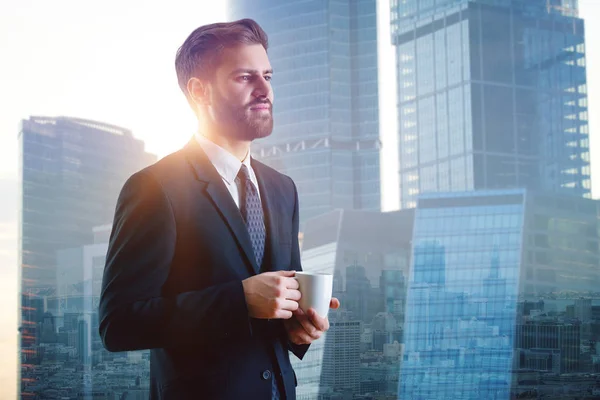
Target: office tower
<point x="492" y="94"/>
<point x="495" y="289"/>
<point x="385" y="330"/>
<point x="583" y="309"/>
<point x="326" y="131"/>
<point x="393" y="287"/>
<point x="341" y="360"/>
<point x="359" y="293"/>
<point x="515" y="313"/>
<point x="70" y="320"/>
<point x="559" y="343"/>
<point x="71" y="172"/>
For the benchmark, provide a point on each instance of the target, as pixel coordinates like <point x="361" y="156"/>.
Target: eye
<point x="268" y="77"/>
<point x="245" y="78"/>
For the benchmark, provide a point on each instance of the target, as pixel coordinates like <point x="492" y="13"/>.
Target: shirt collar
<point x="226" y="164"/>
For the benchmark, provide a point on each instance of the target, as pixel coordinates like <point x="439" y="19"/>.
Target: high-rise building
<point x="326" y="132"/>
<point x="71" y="172"/>
<point x="491" y="94"/>
<point x="515" y="312"/>
<point x="359" y="293"/>
<point x="341" y="360"/>
<point x="393" y="287"/>
<point x="495" y="290"/>
<point x="548" y="335"/>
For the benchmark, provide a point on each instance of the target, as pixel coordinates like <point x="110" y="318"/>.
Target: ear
<point x="198" y="91"/>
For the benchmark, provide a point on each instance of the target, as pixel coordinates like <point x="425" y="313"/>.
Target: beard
<point x="242" y="123"/>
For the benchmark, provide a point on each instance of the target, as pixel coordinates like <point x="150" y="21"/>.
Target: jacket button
<point x="266" y="374"/>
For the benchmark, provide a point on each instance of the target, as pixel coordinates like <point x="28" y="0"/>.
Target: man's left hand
<point x="304" y="328"/>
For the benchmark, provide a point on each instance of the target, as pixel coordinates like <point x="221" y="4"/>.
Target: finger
<point x="289" y="305"/>
<point x="309" y="327"/>
<point x="300" y="337"/>
<point x="291" y="283"/>
<point x="319" y="322"/>
<point x="301" y="332"/>
<point x="299" y="313"/>
<point x="292" y="294"/>
<point x="283" y="314"/>
<point x="285" y="273"/>
<point x="334" y="303"/>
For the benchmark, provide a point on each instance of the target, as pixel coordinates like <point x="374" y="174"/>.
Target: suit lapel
<point x="221" y="199"/>
<point x="269" y="204"/>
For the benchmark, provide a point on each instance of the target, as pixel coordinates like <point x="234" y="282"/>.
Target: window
<point x="484" y="285"/>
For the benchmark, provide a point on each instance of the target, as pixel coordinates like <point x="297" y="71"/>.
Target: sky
<point x="113" y="61"/>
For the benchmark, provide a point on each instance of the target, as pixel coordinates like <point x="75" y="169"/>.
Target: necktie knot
<point x="243" y="174"/>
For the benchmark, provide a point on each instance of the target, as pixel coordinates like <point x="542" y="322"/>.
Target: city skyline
<point x="94" y="73"/>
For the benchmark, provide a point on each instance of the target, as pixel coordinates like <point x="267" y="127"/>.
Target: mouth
<point x="260" y="107"/>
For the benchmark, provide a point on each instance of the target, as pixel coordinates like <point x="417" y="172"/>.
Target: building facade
<point x="326" y="132"/>
<point x="513" y="316"/>
<point x="492" y="94"/>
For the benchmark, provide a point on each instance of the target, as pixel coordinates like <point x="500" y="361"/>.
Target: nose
<point x="262" y="88"/>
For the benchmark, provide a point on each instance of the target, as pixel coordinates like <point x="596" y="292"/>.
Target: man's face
<point x="241" y="102"/>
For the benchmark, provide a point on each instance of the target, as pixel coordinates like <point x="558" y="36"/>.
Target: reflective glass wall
<point x="492" y="94"/>
<point x="501" y="296"/>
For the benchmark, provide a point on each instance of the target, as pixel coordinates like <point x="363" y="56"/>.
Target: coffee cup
<point x="316" y="289"/>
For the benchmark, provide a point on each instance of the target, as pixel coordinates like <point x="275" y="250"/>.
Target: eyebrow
<point x="250" y="71"/>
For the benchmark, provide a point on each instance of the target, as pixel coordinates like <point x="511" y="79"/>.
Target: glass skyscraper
<point x="326" y="132"/>
<point x="491" y="94"/>
<point x="516" y="314"/>
<point x="71" y="172"/>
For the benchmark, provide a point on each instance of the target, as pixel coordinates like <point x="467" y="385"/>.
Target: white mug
<point x="316" y="289"/>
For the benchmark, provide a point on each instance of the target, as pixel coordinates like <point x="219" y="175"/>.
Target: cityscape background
<point x="70" y="59"/>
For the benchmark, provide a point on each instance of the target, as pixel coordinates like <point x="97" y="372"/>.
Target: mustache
<point x="260" y="102"/>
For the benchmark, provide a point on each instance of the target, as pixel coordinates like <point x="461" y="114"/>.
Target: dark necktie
<point x="252" y="213"/>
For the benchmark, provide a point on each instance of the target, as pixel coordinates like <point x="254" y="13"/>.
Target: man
<point x="204" y="245"/>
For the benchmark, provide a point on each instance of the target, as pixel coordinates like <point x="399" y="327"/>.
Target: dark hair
<point x="197" y="56"/>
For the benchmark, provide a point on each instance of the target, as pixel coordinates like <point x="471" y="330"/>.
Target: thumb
<point x="285" y="273"/>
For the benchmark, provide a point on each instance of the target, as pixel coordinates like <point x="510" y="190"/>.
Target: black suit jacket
<point x="178" y="252"/>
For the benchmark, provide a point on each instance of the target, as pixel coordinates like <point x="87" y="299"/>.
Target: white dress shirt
<point x="228" y="166"/>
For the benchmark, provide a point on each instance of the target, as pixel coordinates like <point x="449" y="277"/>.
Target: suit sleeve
<point x="134" y="314"/>
<point x="298" y="350"/>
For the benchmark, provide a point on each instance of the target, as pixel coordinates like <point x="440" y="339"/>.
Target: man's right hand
<point x="272" y="295"/>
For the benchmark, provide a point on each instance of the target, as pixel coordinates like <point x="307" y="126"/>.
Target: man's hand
<point x="272" y="295"/>
<point x="304" y="328"/>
